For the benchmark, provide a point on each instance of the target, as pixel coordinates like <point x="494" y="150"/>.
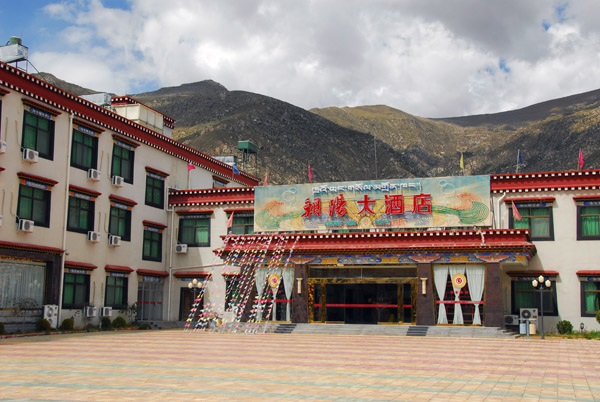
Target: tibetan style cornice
<point x="212" y="196"/>
<point x="54" y="97"/>
<point x="30" y="247"/>
<point x="516" y="240"/>
<point x="546" y="181"/>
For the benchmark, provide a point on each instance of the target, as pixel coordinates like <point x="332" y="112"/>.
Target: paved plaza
<point x="175" y="365"/>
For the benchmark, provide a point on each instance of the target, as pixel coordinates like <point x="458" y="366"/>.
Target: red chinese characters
<point x="312" y="208"/>
<point x="366" y="205"/>
<point x="394" y="204"/>
<point x="422" y="204"/>
<point x="338" y="206"/>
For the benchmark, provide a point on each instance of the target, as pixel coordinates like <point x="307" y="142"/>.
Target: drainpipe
<point x="498" y="213"/>
<point x="66" y="214"/>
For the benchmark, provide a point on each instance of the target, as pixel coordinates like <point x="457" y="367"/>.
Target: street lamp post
<point x="541" y="285"/>
<point x="194" y="285"/>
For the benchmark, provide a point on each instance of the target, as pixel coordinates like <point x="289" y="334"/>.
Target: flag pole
<point x="518" y="153"/>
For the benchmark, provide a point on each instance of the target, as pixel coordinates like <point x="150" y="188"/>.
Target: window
<point x="38" y="134"/>
<point x="155" y="190"/>
<point x="34" y="204"/>
<point x="242" y="225"/>
<point x="76" y="290"/>
<point x="588" y="222"/>
<point x="152" y="244"/>
<point x="590" y="297"/>
<point x="116" y="292"/>
<point x="84" y="152"/>
<point x="120" y="223"/>
<point x="525" y="296"/>
<point x="538" y="219"/>
<point x="194" y="231"/>
<point x="122" y="163"/>
<point x="81" y="215"/>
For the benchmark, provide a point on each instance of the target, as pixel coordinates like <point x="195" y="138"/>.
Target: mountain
<point x="376" y="142"/>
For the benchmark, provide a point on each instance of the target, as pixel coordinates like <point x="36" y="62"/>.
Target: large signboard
<point x="404" y="203"/>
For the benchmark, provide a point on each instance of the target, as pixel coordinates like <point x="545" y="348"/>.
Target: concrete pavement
<point x="174" y="365"/>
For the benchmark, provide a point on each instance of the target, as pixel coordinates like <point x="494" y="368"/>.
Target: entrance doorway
<point x="185" y="306"/>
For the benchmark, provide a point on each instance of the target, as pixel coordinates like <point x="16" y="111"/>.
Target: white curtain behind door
<point x="440" y="277"/>
<point x="458" y="316"/>
<point x="260" y="277"/>
<point x="475" y="279"/>
<point x="288" y="282"/>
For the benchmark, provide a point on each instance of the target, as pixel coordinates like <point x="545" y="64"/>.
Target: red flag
<point x="580" y="159"/>
<point x="191" y="167"/>
<point x="230" y="222"/>
<point x="309" y="174"/>
<point x="516" y="214"/>
<point x="266" y="178"/>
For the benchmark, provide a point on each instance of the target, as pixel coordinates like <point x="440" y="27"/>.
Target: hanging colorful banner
<point x="445" y="202"/>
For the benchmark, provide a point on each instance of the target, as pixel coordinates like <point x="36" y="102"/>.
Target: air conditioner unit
<point x="51" y="314"/>
<point x="93" y="237"/>
<point x="114" y="240"/>
<point x="531" y="313"/>
<point x="117" y="181"/>
<point x="181" y="248"/>
<point x="2" y="147"/>
<point x="106" y="311"/>
<point x="26" y="225"/>
<point x="30" y="155"/>
<point x="90" y="311"/>
<point x="94" y="174"/>
<point x="511" y="320"/>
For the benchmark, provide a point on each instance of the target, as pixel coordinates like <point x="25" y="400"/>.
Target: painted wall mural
<point x="460" y="201"/>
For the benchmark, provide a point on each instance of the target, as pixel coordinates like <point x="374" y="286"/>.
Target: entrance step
<point x="285" y="329"/>
<point x="417" y="330"/>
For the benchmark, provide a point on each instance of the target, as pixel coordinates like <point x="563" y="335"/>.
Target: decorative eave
<point x="155" y="224"/>
<point x="213" y="196"/>
<point x="84" y="190"/>
<point x="191" y="274"/>
<point x="156" y="171"/>
<point x="88" y="125"/>
<point x="80" y="265"/>
<point x="40" y="106"/>
<point x="194" y="212"/>
<point x="40" y="179"/>
<point x="234" y="210"/>
<point x="573" y="180"/>
<point x="122" y="200"/>
<point x="31" y="247"/>
<point x="588" y="273"/>
<point x="118" y="268"/>
<point x="548" y="273"/>
<point x="529" y="199"/>
<point x="517" y="240"/>
<point x="221" y="179"/>
<point x="151" y="272"/>
<point x="592" y="197"/>
<point x="125" y="140"/>
<point x="42" y="91"/>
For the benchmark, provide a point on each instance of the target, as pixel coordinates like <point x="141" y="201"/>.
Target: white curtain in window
<point x="475" y="279"/>
<point x="440" y="277"/>
<point x="21" y="280"/>
<point x="260" y="278"/>
<point x="288" y="285"/>
<point x="458" y="316"/>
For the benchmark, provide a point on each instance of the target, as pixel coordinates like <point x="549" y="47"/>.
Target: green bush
<point x="105" y="324"/>
<point x="42" y="324"/>
<point x="119" y="322"/>
<point x="67" y="324"/>
<point x="598" y="316"/>
<point x="2" y="330"/>
<point x="144" y="326"/>
<point x="91" y="327"/>
<point x="564" y="327"/>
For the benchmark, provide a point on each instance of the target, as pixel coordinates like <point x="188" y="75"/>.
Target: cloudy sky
<point x="429" y="58"/>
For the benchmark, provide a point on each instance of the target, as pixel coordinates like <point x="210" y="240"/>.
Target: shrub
<point x="105" y="324"/>
<point x="91" y="327"/>
<point x="144" y="326"/>
<point x="598" y="316"/>
<point x="564" y="327"/>
<point x="67" y="324"/>
<point x="2" y="330"/>
<point x="42" y="324"/>
<point x="119" y="322"/>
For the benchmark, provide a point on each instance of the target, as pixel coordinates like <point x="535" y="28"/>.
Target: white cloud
<point x="426" y="57"/>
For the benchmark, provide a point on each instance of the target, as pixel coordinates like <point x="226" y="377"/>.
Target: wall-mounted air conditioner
<point x="106" y="311"/>
<point x="114" y="240"/>
<point x="531" y="313"/>
<point x="26" y="225"/>
<point x="511" y="320"/>
<point x="117" y="181"/>
<point x="181" y="248"/>
<point x="90" y="311"/>
<point x="94" y="174"/>
<point x="2" y="147"/>
<point x="93" y="237"/>
<point x="30" y="155"/>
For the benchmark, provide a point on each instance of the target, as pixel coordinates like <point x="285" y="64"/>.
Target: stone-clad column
<point x="425" y="302"/>
<point x="300" y="294"/>
<point x="494" y="309"/>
